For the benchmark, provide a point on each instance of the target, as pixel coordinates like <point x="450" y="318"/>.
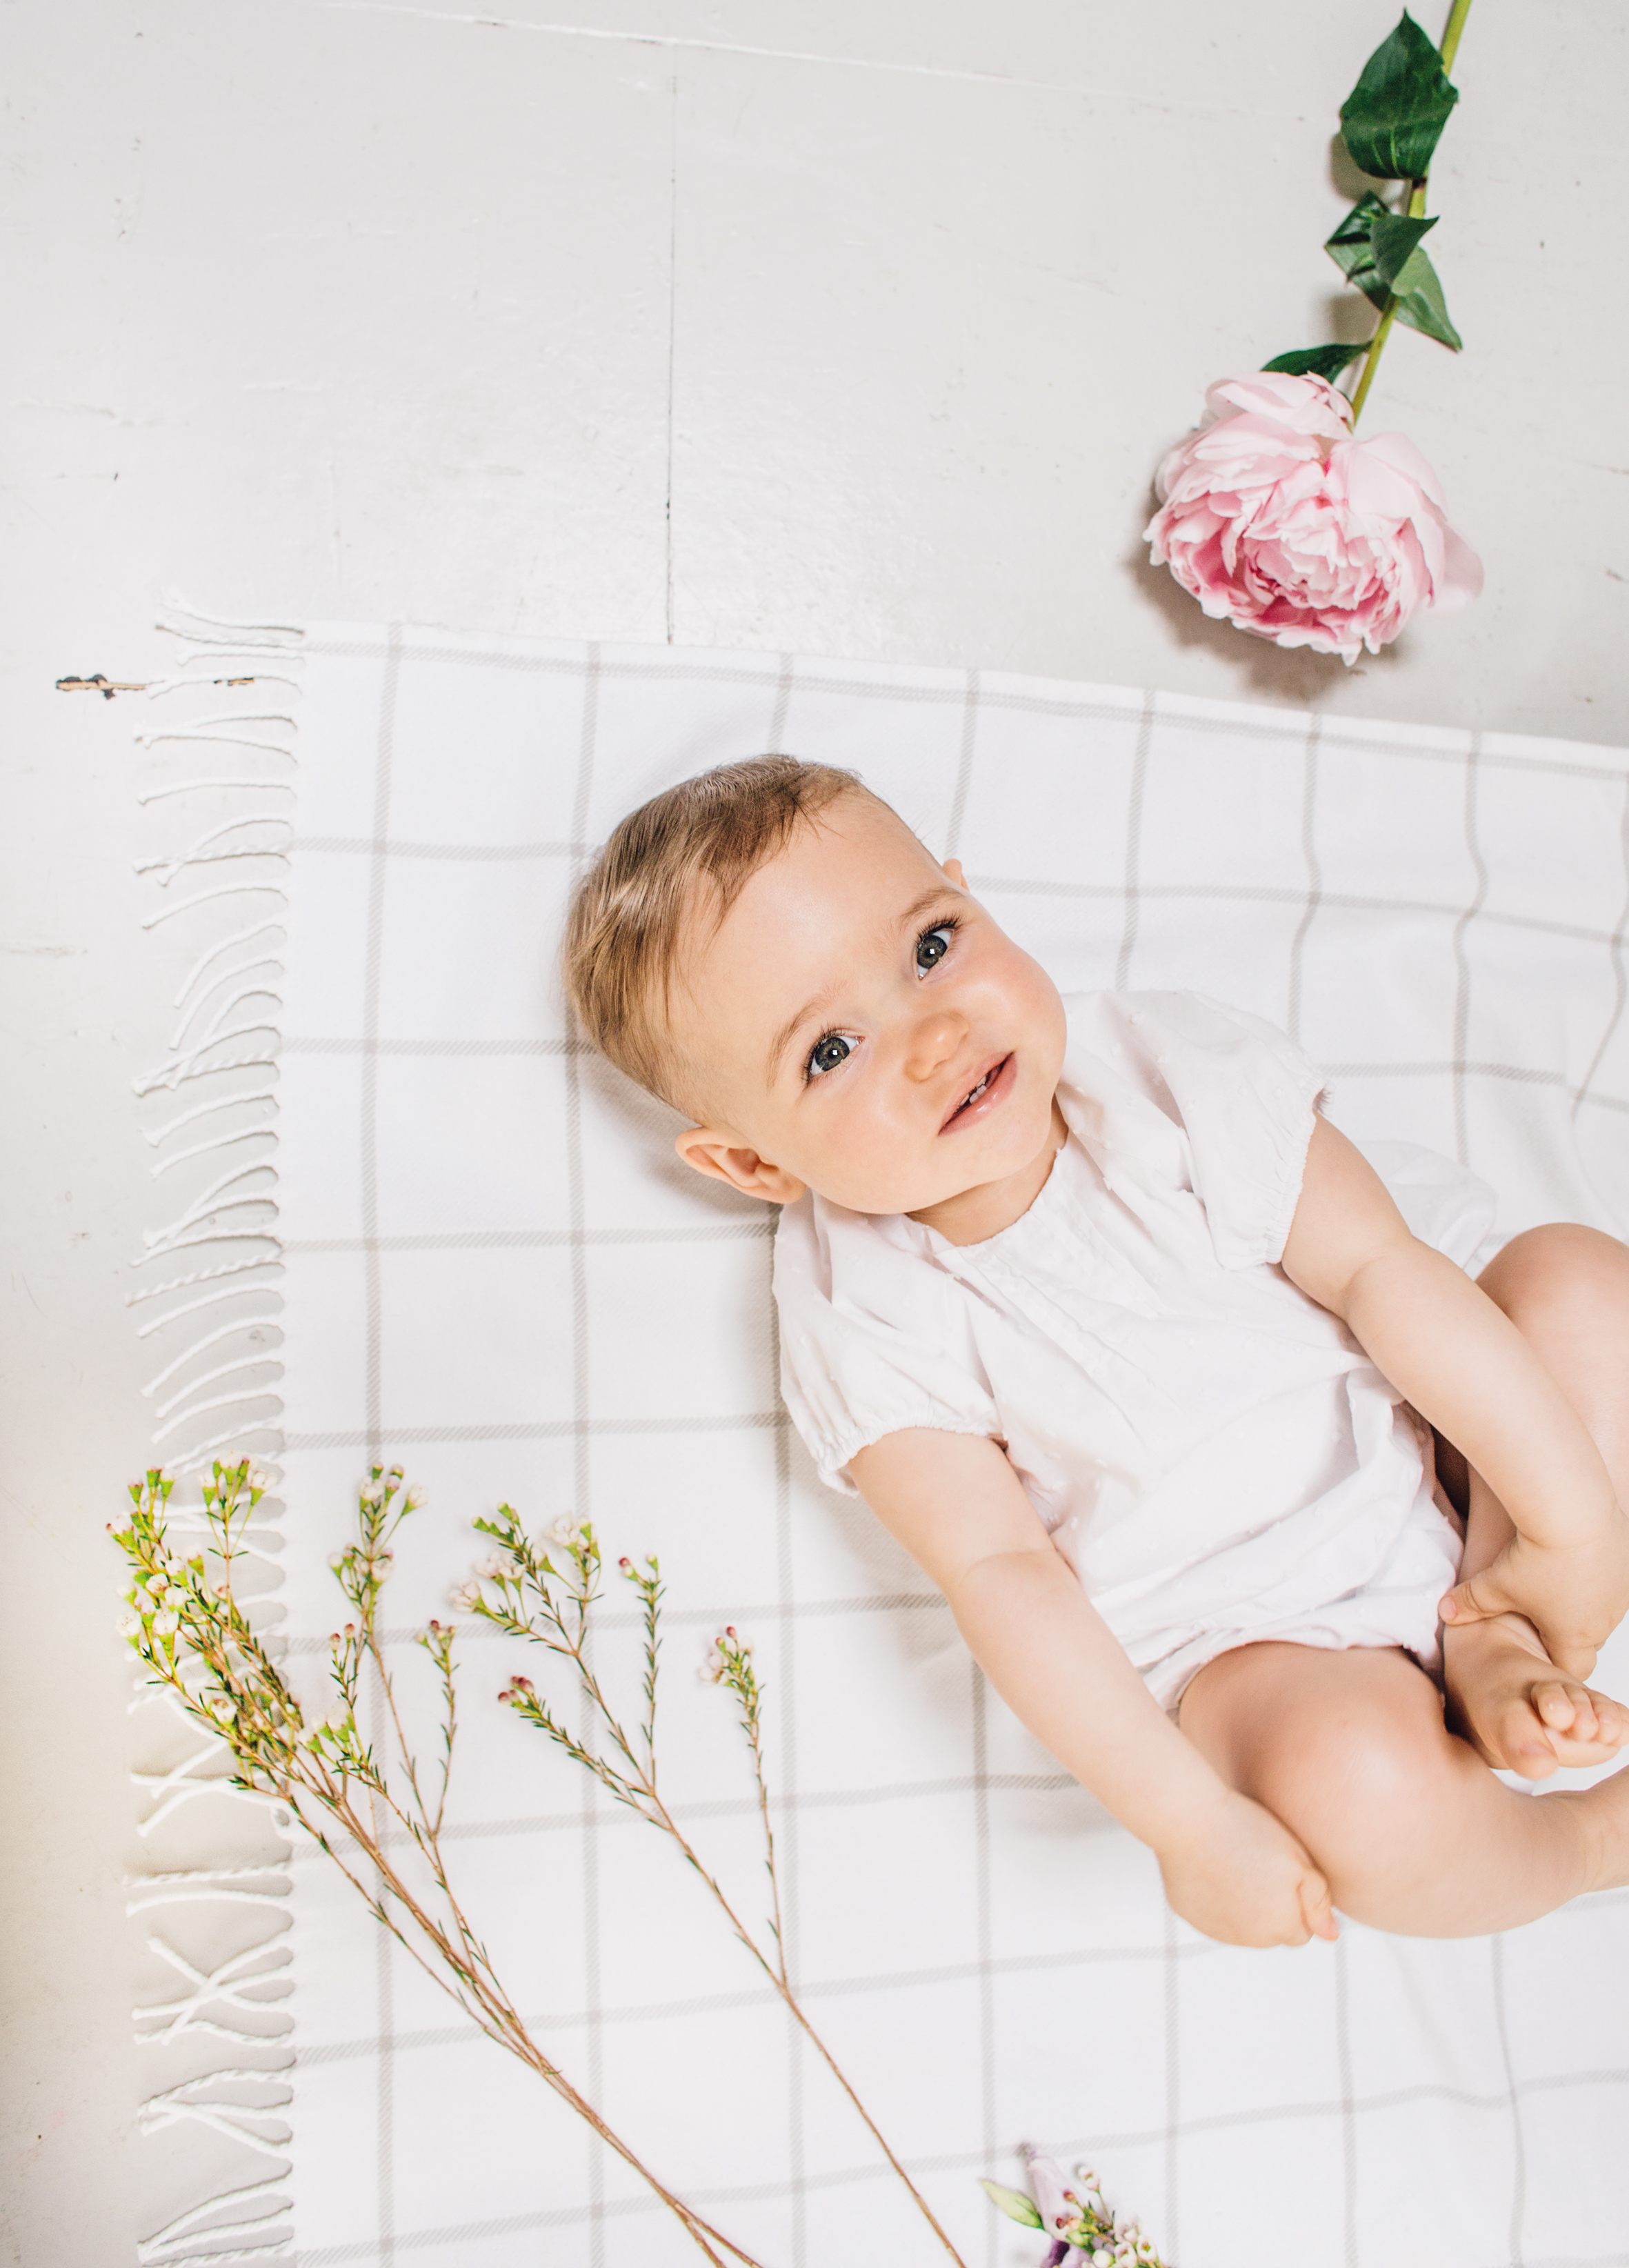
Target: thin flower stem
<point x="791" y="1998"/>
<point x="776" y="1974"/>
<point x="769" y="1844"/>
<point x="1415" y="208"/>
<point x="494" y="2016"/>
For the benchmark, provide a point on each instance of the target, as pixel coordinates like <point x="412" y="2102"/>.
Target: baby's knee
<point x="1365" y="1788"/>
<point x="1560" y="1266"/>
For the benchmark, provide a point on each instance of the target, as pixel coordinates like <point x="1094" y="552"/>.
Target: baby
<point x="1136" y="1355"/>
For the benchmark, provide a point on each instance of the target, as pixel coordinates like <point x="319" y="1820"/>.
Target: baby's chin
<point x="911" y="1194"/>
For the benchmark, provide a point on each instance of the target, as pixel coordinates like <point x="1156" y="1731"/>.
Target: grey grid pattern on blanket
<point x="498" y="1273"/>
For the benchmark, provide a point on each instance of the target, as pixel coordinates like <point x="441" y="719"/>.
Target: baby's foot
<point x="1517" y="1710"/>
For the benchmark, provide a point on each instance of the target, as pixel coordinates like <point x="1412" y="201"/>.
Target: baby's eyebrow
<point x="917" y="907"/>
<point x="789" y="1031"/>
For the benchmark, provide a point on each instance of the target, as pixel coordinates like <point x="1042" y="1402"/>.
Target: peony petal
<point x="1398" y="450"/>
<point x="1372" y="485"/>
<point x="1306" y="405"/>
<point x="1461" y="579"/>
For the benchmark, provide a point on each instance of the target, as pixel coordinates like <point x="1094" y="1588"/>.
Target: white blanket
<point x="498" y="1274"/>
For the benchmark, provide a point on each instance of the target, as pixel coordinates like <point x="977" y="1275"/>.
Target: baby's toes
<point x="1564" y="1707"/>
<point x="1596" y="1735"/>
<point x="1527" y="1742"/>
<point x="1601" y="1725"/>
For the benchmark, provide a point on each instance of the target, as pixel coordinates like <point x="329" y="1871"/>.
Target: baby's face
<point x="860" y="1026"/>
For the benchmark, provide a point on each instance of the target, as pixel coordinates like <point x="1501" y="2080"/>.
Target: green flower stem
<point x="1449" y="47"/>
<point x="1415" y="210"/>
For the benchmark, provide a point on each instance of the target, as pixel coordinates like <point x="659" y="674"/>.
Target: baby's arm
<point x="955" y="1503"/>
<point x="1464" y="1366"/>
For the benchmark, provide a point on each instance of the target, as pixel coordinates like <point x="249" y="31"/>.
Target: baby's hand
<point x="1243" y="1878"/>
<point x="1574" y="1593"/>
<point x="1517" y="1710"/>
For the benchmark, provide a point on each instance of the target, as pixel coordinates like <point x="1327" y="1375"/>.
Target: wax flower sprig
<point x="1273" y="514"/>
<point x="371" y="1811"/>
<point x="378" y="1812"/>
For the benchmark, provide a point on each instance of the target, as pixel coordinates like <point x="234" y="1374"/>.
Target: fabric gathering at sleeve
<point x="874" y="1339"/>
<point x="1246" y="1097"/>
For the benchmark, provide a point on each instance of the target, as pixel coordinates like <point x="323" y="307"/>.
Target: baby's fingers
<point x="1477" y="1600"/>
<point x="1317" y="1908"/>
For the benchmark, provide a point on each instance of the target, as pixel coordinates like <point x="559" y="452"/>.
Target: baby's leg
<point x="1349" y="1750"/>
<point x="1567" y="1290"/>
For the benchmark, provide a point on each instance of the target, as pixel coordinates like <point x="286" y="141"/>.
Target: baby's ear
<point x="711" y="1151"/>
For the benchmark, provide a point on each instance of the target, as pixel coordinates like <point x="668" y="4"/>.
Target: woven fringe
<point x="217" y="737"/>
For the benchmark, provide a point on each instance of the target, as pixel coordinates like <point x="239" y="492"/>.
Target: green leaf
<point x="1380" y="252"/>
<point x="1014" y="2204"/>
<point x="1352" y="252"/>
<point x="1393" y="117"/>
<point x="1393" y="240"/>
<point x="1420" y="304"/>
<point x="1318" y="362"/>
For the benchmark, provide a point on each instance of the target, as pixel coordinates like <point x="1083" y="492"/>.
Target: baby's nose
<point x="934" y="1040"/>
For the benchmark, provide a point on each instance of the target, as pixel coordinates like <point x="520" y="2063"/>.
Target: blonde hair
<point x="695" y="845"/>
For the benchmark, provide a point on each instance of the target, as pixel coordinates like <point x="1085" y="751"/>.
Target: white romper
<point x="1214" y="1454"/>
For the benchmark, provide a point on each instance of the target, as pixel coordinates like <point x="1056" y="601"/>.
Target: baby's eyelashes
<point x="933" y="945"/>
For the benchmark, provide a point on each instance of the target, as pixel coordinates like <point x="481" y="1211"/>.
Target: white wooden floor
<point x="856" y="328"/>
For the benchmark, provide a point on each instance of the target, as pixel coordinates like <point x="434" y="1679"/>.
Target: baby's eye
<point x="933" y="945"/>
<point x="826" y="1054"/>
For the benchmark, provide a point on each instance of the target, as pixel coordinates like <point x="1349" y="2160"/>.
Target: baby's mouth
<point x="976" y="1094"/>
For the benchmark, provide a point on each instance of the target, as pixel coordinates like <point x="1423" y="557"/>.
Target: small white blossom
<point x="465" y="1596"/>
<point x="167" y="1622"/>
<point x="491" y="1567"/>
<point x="259" y="1479"/>
<point x="129" y="1625"/>
<point x="713" y="1668"/>
<point x="566" y="1531"/>
<point x="158" y="1585"/>
<point x="415" y="1497"/>
<point x="372" y="1495"/>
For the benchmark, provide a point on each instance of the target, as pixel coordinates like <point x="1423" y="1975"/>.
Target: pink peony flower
<point x="1278" y="521"/>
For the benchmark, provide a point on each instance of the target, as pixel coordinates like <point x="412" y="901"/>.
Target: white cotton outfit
<point x="1214" y="1454"/>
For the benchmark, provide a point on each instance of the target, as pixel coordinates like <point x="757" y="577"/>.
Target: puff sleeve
<point x="1245" y="1097"/>
<point x="874" y="1336"/>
